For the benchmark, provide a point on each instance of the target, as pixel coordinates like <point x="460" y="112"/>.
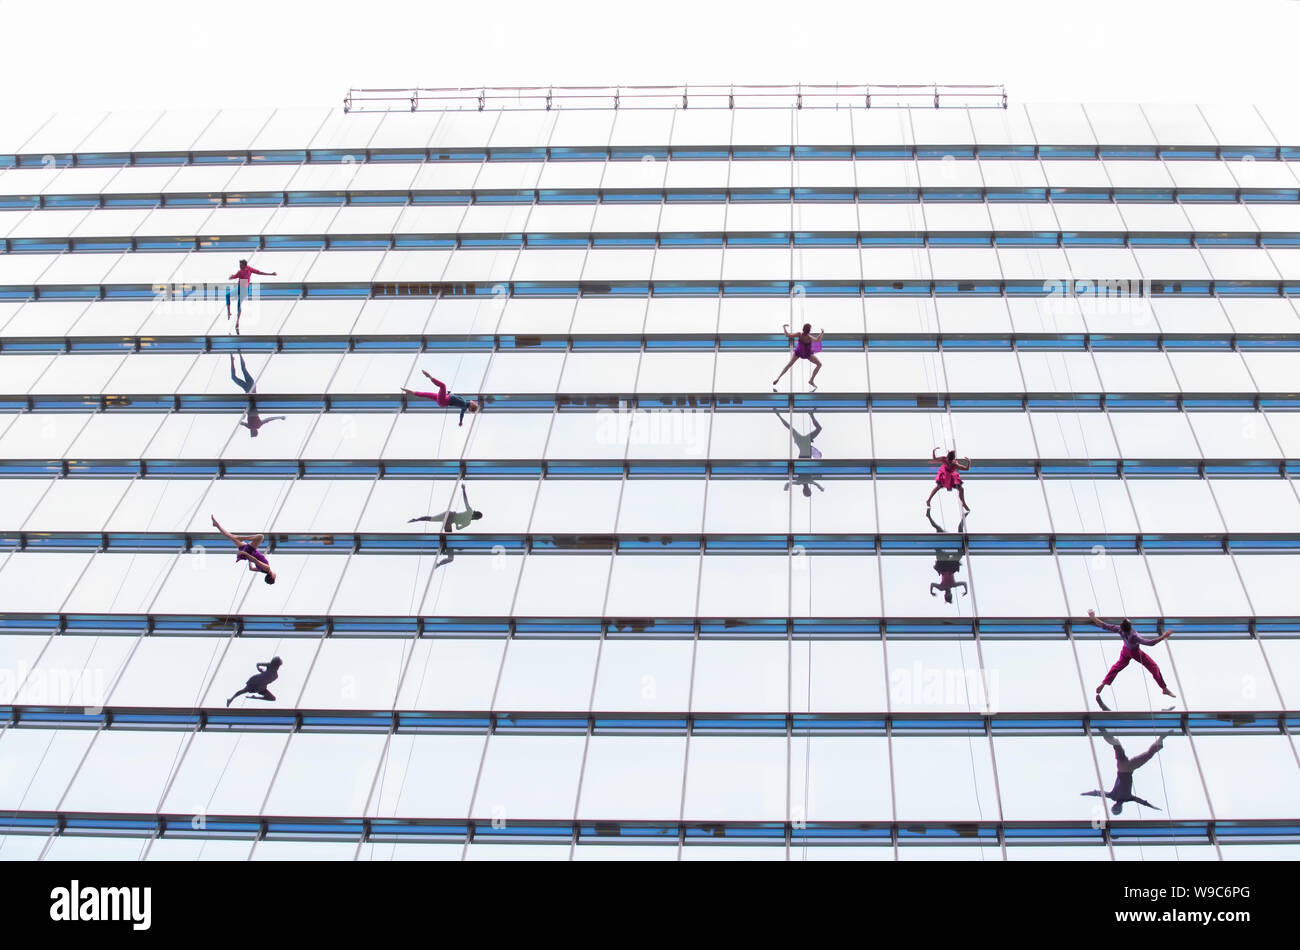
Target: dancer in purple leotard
<point x="806" y="345"/>
<point x="246" y="550"/>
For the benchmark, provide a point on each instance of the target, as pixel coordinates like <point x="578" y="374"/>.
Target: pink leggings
<point x="1144" y="658"/>
<point x="440" y="397"/>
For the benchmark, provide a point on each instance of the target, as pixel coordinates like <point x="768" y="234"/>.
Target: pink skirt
<point x="947" y="478"/>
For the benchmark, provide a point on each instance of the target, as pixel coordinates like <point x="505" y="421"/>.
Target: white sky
<point x="173" y="53"/>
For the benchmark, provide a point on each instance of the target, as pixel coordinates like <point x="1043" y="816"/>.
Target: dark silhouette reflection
<point x="449" y="521"/>
<point x="249" y="385"/>
<point x="804" y="443"/>
<point x="244" y="381"/>
<point x="947" y="562"/>
<point x="1122" y="790"/>
<point x="256" y="687"/>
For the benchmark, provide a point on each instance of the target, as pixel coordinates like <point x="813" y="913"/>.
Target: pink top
<point x="245" y="272"/>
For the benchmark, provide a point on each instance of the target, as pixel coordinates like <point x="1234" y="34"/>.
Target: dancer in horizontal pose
<point x="246" y="550"/>
<point x="243" y="277"/>
<point x="949" y="476"/>
<point x="255" y="421"/>
<point x="451" y="521"/>
<point x="1122" y="790"/>
<point x="444" y="398"/>
<point x="1132" y="650"/>
<point x="806" y="345"/>
<point x="256" y="687"/>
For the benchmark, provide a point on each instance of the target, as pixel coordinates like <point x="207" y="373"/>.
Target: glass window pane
<point x="739" y="676"/>
<point x="1032" y="676"/>
<point x="355" y="674"/>
<point x="529" y="777"/>
<point x="120" y="583"/>
<point x="39" y="763"/>
<point x="452" y="674"/>
<point x="936" y="676"/>
<point x="941" y="778"/>
<point x="98" y="785"/>
<point x="1224" y="674"/>
<point x="644" y="676"/>
<point x="1250" y="776"/>
<point x="563" y="585"/>
<point x="325" y="774"/>
<point x="477" y="588"/>
<point x="1197" y="585"/>
<point x="547" y="676"/>
<point x="426" y="775"/>
<point x="642" y="585"/>
<point x="745" y="586"/>
<point x="736" y="778"/>
<point x="225" y="773"/>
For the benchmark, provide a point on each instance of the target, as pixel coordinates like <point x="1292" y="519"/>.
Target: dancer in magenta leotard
<point x="949" y="476"/>
<point x="806" y="345"/>
<point x="246" y="550"/>
<point x="1132" y="650"/>
<point x="444" y="398"/>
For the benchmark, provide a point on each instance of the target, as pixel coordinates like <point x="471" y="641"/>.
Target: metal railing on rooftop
<point x="836" y="95"/>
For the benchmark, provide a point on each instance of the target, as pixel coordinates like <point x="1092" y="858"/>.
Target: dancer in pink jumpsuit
<point x="444" y="398"/>
<point x="1132" y="650"/>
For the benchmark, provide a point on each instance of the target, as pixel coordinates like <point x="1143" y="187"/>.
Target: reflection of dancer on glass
<point x="806" y="481"/>
<point x="244" y="381"/>
<point x="255" y="421"/>
<point x="804" y="441"/>
<point x="946" y="566"/>
<point x="1132" y="650"/>
<point x="1122" y="790"/>
<point x="243" y="276"/>
<point x="248" y="385"/>
<point x="444" y="398"/>
<point x="806" y="345"/>
<point x="256" y="687"/>
<point x="451" y="520"/>
<point x="246" y="550"/>
<point x="949" y="476"/>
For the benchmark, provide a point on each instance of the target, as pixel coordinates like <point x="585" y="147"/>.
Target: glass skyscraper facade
<point x="657" y="607"/>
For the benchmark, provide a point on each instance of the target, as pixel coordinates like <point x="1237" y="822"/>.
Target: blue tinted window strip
<point x="716" y="195"/>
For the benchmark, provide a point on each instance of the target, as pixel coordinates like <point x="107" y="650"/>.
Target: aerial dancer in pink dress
<point x="949" y="476"/>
